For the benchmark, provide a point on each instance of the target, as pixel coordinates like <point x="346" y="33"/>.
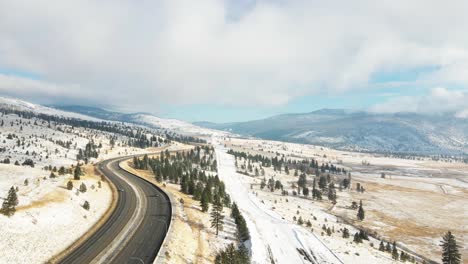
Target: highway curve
<point x="136" y="228"/>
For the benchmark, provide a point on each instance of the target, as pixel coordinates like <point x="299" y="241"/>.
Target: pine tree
<point x="332" y="193"/>
<point x="158" y="175"/>
<point x="345" y="233"/>
<point x="450" y="254"/>
<point x="243" y="254"/>
<point x="357" y="238"/>
<point x="217" y="217"/>
<point x="204" y="203"/>
<point x="360" y="214"/>
<point x="10" y="203"/>
<point x="394" y="251"/>
<point x="86" y="205"/>
<point x="381" y="246"/>
<point x="77" y="173"/>
<point x="70" y="185"/>
<point x="314" y="190"/>
<point x="83" y="188"/>
<point x="388" y="247"/>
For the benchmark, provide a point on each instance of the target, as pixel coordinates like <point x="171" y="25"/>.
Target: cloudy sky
<point x="237" y="59"/>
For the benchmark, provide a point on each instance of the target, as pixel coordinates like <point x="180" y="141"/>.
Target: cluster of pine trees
<point x="141" y="140"/>
<point x="233" y="255"/>
<point x="242" y="230"/>
<point x="393" y="250"/>
<point x="91" y="151"/>
<point x="280" y="163"/>
<point x="189" y="170"/>
<point x="171" y="136"/>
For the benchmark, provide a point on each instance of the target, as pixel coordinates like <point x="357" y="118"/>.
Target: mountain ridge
<point x="361" y="131"/>
<point x="336" y="128"/>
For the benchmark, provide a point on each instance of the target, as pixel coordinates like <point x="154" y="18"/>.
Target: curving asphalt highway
<point x="136" y="228"/>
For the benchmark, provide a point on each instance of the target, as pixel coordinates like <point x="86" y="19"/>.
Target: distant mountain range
<point x="96" y="112"/>
<point x="145" y="119"/>
<point x="336" y="128"/>
<point x="361" y="131"/>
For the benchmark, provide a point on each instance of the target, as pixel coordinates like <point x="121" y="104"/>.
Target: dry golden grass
<point x="54" y="197"/>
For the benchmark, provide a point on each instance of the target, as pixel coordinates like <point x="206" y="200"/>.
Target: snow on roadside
<point x="271" y="236"/>
<point x="49" y="217"/>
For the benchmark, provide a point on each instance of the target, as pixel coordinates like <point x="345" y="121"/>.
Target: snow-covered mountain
<point x="20" y="105"/>
<point x="363" y="131"/>
<point x="146" y="119"/>
<point x="98" y="114"/>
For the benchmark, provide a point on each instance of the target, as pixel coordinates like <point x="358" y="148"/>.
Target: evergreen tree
<point x="332" y="193"/>
<point x="243" y="254"/>
<point x="77" y="173"/>
<point x="10" y="203"/>
<point x="395" y="255"/>
<point x="388" y="247"/>
<point x="70" y="185"/>
<point x="345" y="233"/>
<point x="450" y="254"/>
<point x="217" y="217"/>
<point x="61" y="171"/>
<point x="314" y="190"/>
<point x="86" y="205"/>
<point x="357" y="238"/>
<point x="322" y="183"/>
<point x="381" y="246"/>
<point x="360" y="214"/>
<point x="83" y="188"/>
<point x="204" y="203"/>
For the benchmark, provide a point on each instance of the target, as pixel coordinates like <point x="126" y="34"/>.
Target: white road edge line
<point x="109" y="253"/>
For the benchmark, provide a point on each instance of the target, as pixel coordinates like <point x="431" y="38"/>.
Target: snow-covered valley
<point x="410" y="200"/>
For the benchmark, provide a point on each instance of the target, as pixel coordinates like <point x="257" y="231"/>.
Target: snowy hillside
<point x="362" y="131"/>
<point x="39" y="151"/>
<point x="17" y="104"/>
<point x="145" y="119"/>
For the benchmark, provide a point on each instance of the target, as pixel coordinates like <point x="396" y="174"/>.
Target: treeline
<point x="184" y="139"/>
<point x="138" y="135"/>
<point x="231" y="254"/>
<point x="141" y="140"/>
<point x="307" y="166"/>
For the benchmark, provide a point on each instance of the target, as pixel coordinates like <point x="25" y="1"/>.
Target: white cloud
<point x="175" y="51"/>
<point x="439" y="100"/>
<point x="11" y="83"/>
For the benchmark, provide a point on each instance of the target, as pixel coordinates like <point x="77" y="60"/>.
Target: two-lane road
<point x="136" y="228"/>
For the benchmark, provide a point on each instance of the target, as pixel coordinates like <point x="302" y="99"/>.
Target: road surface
<point x="136" y="228"/>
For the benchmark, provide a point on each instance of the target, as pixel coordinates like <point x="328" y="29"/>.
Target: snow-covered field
<point x="417" y="201"/>
<point x="48" y="217"/>
<point x="272" y="237"/>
